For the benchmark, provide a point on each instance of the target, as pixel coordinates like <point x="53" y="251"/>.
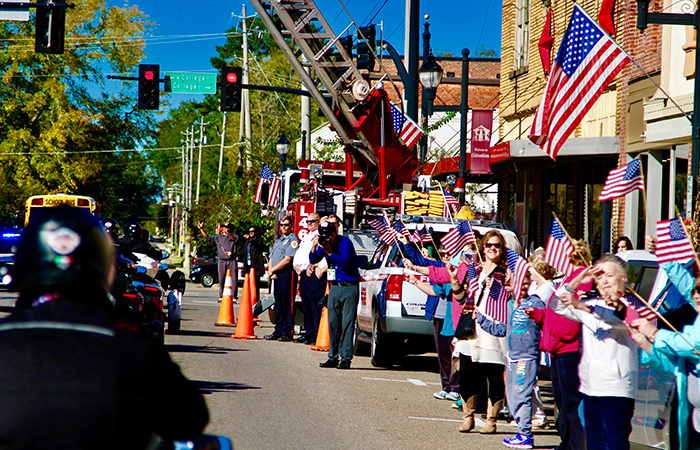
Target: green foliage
<point x="483" y="53"/>
<point x="272" y="114"/>
<point x="59" y="132"/>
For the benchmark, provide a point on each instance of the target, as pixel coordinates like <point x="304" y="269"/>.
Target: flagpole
<point x="644" y="193"/>
<point x="687" y="116"/>
<point x="632" y="291"/>
<point x="687" y="235"/>
<point x="388" y="222"/>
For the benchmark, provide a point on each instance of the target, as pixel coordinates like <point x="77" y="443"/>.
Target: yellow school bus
<point x="44" y="201"/>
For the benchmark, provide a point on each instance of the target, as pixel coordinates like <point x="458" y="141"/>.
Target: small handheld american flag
<point x="559" y="249"/>
<point x="622" y="181"/>
<point x="459" y="236"/>
<point x="673" y="244"/>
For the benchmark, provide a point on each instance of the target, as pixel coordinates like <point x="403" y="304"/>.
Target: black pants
<point x="223" y="266"/>
<point x="471" y="374"/>
<point x="311" y="289"/>
<point x="342" y="312"/>
<point x="285" y="290"/>
<point x="565" y="384"/>
<point x="443" y="344"/>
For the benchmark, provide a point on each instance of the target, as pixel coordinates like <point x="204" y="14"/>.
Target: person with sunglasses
<point x="311" y="288"/>
<point x="281" y="273"/>
<point x="252" y="255"/>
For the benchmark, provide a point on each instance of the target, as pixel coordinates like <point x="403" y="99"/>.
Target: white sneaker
<point x="452" y="396"/>
<point x="442" y="395"/>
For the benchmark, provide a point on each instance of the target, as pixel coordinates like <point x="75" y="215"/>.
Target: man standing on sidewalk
<point x="311" y="289"/>
<point x="281" y="273"/>
<point x="226" y="253"/>
<point x="344" y="276"/>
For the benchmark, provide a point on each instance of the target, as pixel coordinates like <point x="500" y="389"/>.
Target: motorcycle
<point x="128" y="299"/>
<point x="146" y="283"/>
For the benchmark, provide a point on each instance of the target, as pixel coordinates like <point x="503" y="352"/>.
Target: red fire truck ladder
<point x="360" y="116"/>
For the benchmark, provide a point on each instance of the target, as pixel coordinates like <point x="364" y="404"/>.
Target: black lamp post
<point x="430" y="75"/>
<point x="644" y="17"/>
<point x="283" y="146"/>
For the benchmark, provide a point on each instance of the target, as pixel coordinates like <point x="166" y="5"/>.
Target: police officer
<point x="344" y="276"/>
<point x="311" y="288"/>
<point x="226" y="252"/>
<point x="74" y="374"/>
<point x="281" y="272"/>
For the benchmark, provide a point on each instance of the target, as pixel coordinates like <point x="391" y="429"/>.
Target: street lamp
<point x="644" y="17"/>
<point x="430" y="76"/>
<point x="283" y="146"/>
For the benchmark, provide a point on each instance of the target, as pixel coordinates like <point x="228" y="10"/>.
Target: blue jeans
<point x="608" y="422"/>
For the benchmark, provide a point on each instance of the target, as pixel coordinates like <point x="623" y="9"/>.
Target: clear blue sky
<point x="188" y="32"/>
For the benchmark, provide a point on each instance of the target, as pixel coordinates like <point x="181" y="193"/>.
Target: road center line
<point x="413" y="381"/>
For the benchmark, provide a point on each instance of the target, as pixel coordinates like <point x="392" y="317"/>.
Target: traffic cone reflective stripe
<point x="226" y="316"/>
<point x="323" y="339"/>
<point x="244" y="327"/>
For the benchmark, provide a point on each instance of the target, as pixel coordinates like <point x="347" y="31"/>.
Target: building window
<point x="522" y="34"/>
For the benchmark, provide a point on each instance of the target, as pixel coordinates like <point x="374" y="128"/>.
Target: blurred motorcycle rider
<point x="136" y="240"/>
<point x="113" y="231"/>
<point x="74" y="374"/>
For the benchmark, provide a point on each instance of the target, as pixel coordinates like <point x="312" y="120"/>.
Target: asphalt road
<point x="272" y="395"/>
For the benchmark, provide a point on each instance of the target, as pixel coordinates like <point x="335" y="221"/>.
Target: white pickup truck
<point x="394" y="323"/>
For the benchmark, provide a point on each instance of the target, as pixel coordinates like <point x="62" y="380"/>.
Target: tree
<point x="60" y="131"/>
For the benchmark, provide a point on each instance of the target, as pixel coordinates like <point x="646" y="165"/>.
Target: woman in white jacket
<point x="609" y="361"/>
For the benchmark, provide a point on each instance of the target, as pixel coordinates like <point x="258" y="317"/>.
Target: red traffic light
<point x="149" y="75"/>
<point x="231" y="77"/>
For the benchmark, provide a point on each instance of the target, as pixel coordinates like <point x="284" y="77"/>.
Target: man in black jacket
<point x="73" y="373"/>
<point x="253" y="255"/>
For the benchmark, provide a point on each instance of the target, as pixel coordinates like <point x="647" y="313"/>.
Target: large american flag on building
<point x="408" y="130"/>
<point x="459" y="236"/>
<point x="559" y="249"/>
<point x="622" y="181"/>
<point x="672" y="244"/>
<point x="268" y="177"/>
<point x="587" y="61"/>
<point x="519" y="268"/>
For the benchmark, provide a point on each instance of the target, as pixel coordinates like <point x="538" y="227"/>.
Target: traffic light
<point x="149" y="88"/>
<point x="231" y="79"/>
<point x="347" y="44"/>
<point x="49" y="29"/>
<point x="365" y="49"/>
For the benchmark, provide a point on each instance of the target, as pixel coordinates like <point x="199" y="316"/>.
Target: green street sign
<point x="190" y="83"/>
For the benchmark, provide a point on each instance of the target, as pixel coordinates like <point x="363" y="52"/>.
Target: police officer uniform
<point x="285" y="285"/>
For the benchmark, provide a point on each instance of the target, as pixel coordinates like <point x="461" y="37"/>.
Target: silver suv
<point x="391" y="312"/>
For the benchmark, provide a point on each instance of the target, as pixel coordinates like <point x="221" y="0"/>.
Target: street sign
<point x="191" y="83"/>
<point x="14" y="13"/>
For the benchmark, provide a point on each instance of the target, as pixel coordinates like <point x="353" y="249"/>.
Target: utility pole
<point x="245" y="112"/>
<point x="221" y="151"/>
<point x="199" y="161"/>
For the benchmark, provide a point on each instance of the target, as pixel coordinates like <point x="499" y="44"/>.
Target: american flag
<point x="386" y="232"/>
<point x="450" y="202"/>
<point x="459" y="236"/>
<point x="273" y="198"/>
<point x="422" y="235"/>
<point x="401" y="228"/>
<point x="496" y="303"/>
<point x="673" y="244"/>
<point x="622" y="181"/>
<point x="407" y="129"/>
<point x="587" y="61"/>
<point x="266" y="177"/>
<point x="643" y="310"/>
<point x="519" y="268"/>
<point x="559" y="249"/>
<point x="473" y="281"/>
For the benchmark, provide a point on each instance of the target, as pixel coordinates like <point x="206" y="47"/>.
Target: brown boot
<point x="491" y="417"/>
<point x="468" y="407"/>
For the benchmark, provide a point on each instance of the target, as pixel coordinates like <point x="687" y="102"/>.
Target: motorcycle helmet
<point x="134" y="230"/>
<point x="65" y="247"/>
<point x="112" y="227"/>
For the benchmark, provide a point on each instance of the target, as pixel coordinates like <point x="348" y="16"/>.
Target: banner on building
<point x="482" y="122"/>
<point x="499" y="152"/>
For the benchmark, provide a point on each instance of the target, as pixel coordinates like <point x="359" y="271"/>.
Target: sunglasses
<point x="311" y="221"/>
<point x="489" y="245"/>
<point x="251" y="231"/>
<point x="285" y="225"/>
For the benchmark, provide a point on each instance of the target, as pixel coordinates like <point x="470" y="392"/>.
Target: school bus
<point x="44" y="201"/>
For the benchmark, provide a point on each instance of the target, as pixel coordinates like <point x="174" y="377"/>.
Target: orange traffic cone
<point x="254" y="294"/>
<point x="323" y="339"/>
<point x="226" y="316"/>
<point x="244" y="327"/>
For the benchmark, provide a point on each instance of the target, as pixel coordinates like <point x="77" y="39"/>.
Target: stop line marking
<point x="413" y="381"/>
<point x="477" y="422"/>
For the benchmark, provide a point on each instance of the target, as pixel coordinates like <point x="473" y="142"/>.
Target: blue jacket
<point x="672" y="354"/>
<point x="343" y="259"/>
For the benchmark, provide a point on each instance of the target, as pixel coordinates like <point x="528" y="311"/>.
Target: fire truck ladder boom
<point x="309" y="30"/>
